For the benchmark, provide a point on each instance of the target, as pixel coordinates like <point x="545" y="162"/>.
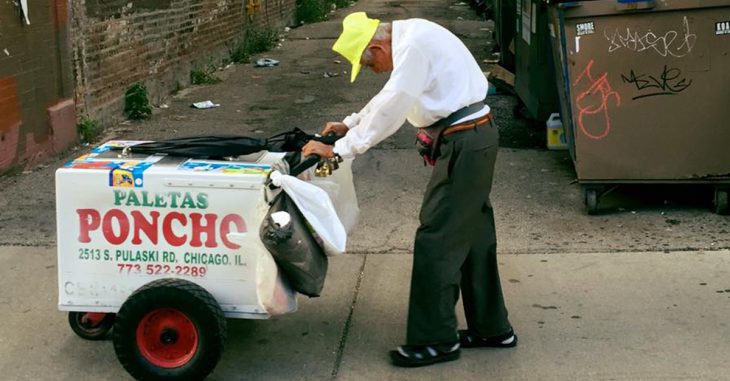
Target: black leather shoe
<point x="470" y="339"/>
<point x="420" y="355"/>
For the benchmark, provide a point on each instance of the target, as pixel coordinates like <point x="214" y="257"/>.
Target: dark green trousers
<point x="456" y="244"/>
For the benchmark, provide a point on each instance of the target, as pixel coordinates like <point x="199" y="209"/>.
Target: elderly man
<point x="439" y="88"/>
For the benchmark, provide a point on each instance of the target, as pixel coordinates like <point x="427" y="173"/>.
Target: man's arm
<point x="386" y="119"/>
<point x="388" y="114"/>
<point x="387" y="111"/>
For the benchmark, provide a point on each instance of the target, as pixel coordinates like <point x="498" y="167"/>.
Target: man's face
<point x="379" y="59"/>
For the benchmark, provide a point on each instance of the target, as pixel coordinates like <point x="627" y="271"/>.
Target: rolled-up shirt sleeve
<point x="351" y="120"/>
<point x="387" y="111"/>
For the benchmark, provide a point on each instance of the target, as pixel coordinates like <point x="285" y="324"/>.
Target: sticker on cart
<point x="129" y="174"/>
<point x="81" y="159"/>
<point x="585" y="28"/>
<point x="225" y="168"/>
<point x="85" y="162"/>
<point x="722" y="28"/>
<point x="121" y="173"/>
<point x="91" y="161"/>
<point x="86" y="158"/>
<point x="116" y="144"/>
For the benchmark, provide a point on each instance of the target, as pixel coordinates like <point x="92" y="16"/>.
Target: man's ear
<point x="376" y="49"/>
<point x="382" y="44"/>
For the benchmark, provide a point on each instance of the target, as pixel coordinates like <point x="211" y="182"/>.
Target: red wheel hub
<point x="92" y="319"/>
<point x="167" y="338"/>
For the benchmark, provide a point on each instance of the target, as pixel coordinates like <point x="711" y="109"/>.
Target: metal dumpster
<point x="645" y="92"/>
<point x="505" y="18"/>
<point x="534" y="72"/>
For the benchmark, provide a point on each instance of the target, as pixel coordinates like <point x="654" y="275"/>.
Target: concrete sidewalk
<point x="628" y="316"/>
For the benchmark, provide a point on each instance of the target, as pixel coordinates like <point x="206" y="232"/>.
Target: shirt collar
<point x="395" y="35"/>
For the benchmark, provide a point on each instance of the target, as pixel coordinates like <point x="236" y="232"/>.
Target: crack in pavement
<point x="388" y="250"/>
<point x="348" y="322"/>
<point x="46" y="245"/>
<point x="402" y="251"/>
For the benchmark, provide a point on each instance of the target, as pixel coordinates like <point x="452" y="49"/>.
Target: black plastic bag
<point x="298" y="255"/>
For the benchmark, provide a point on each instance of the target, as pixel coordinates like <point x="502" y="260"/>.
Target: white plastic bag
<point x="317" y="209"/>
<point x="272" y="291"/>
<point x="341" y="190"/>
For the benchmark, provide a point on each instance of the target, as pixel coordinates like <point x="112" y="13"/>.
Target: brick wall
<point x="36" y="93"/>
<point x="117" y="43"/>
<point x="271" y="12"/>
<point x="78" y="57"/>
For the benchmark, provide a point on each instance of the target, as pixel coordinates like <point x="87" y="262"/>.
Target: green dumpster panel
<point x="534" y="73"/>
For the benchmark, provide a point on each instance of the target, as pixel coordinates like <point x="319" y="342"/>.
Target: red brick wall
<point x="36" y="91"/>
<point x="9" y="121"/>
<point x="117" y="43"/>
<point x="78" y="57"/>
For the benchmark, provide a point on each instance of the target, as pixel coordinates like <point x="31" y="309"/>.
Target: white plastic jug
<point x="555" y="133"/>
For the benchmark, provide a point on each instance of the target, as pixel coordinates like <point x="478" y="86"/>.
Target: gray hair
<point x="383" y="33"/>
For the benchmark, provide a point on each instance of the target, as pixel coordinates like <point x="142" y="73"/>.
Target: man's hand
<point x="316" y="148"/>
<point x="337" y="128"/>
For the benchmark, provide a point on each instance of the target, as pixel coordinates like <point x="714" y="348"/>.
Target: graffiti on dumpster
<point x="671" y="43"/>
<point x="669" y="82"/>
<point x="594" y="96"/>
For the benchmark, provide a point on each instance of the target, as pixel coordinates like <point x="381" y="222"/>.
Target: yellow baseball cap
<point x="357" y="31"/>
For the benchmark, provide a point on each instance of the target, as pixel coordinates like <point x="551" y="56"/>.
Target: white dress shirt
<point x="434" y="74"/>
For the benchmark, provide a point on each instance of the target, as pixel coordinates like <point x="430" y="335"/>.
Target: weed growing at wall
<point x="259" y="41"/>
<point x="136" y="103"/>
<point x="202" y="77"/>
<point x="309" y="11"/>
<point x="89" y="129"/>
<point x="238" y="53"/>
<point x="255" y="41"/>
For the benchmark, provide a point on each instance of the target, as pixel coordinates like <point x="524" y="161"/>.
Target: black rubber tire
<point x="197" y="304"/>
<point x="721" y="201"/>
<point x="591" y="200"/>
<point x="84" y="331"/>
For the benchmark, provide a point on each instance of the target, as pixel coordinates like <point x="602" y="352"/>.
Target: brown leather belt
<point x="468" y="125"/>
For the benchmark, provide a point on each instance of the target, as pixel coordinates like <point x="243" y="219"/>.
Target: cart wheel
<point x="721" y="201"/>
<point x="170" y="329"/>
<point x="591" y="200"/>
<point x="91" y="325"/>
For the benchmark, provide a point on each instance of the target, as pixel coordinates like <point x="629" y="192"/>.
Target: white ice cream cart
<point x="162" y="249"/>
